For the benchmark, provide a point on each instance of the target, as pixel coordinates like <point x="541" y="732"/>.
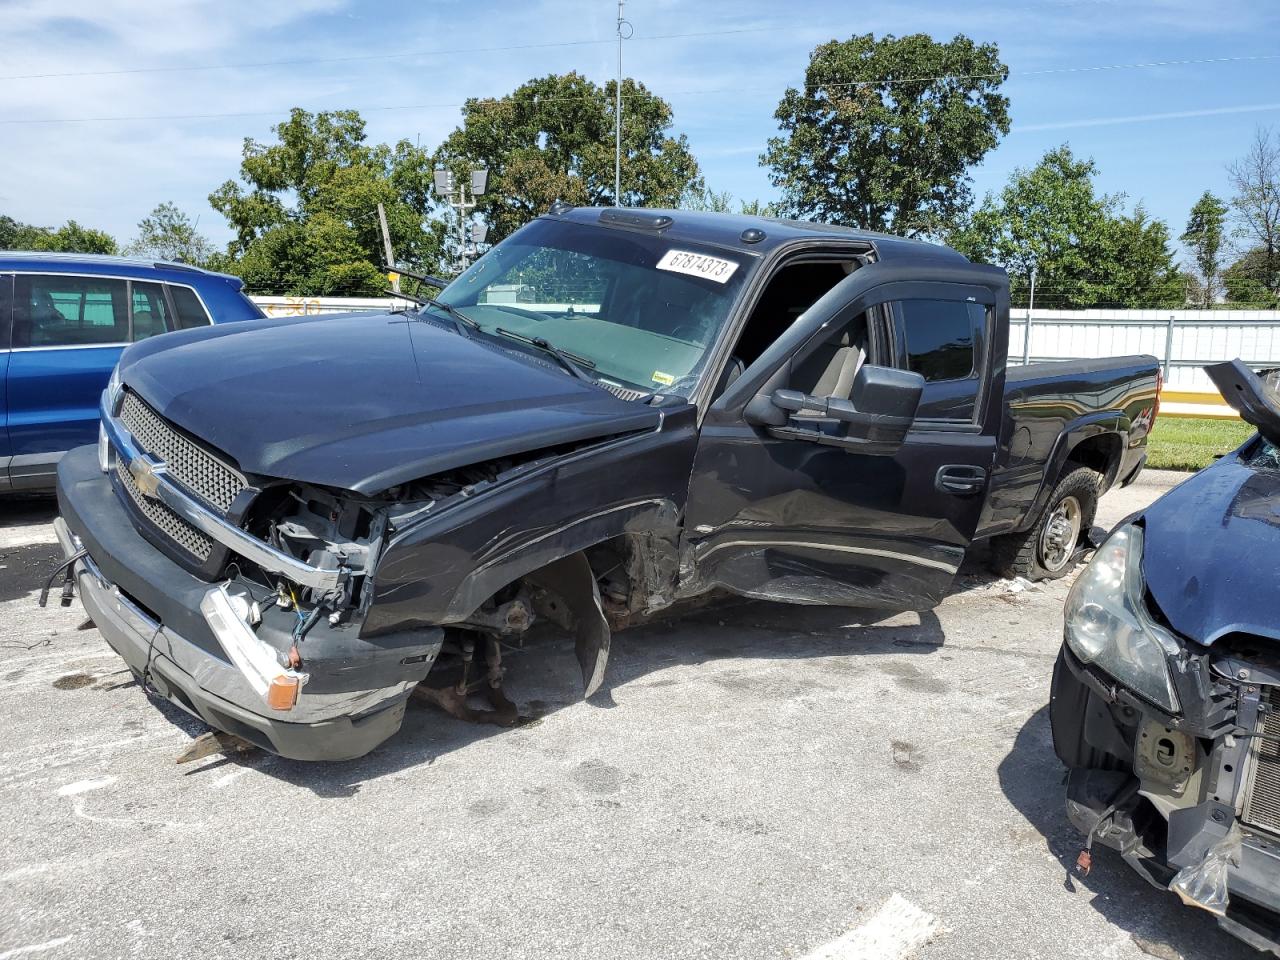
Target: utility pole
<point x="1031" y="305"/>
<point x="386" y="246"/>
<point x="617" y="113"/>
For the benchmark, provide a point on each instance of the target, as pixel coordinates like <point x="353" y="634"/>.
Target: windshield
<point x="640" y="311"/>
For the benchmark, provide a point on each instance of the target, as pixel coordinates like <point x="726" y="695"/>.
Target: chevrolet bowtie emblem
<point x="146" y="476"/>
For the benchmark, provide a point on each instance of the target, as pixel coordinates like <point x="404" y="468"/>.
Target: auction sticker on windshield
<point x="697" y="265"/>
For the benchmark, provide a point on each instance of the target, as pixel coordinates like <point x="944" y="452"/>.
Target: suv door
<point x="68" y="333"/>
<point x="6" y="300"/>
<point x="793" y="511"/>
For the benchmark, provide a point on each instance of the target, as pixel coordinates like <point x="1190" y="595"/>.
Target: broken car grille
<point x="165" y="520"/>
<point x="1262" y="806"/>
<point x="186" y="461"/>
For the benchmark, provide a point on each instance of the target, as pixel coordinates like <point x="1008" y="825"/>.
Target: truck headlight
<point x="104" y="449"/>
<point x="1108" y="624"/>
<point x="115" y="387"/>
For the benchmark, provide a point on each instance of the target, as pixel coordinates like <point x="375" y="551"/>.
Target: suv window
<point x="150" y="310"/>
<point x="61" y="311"/>
<point x="191" y="312"/>
<point x="941" y="340"/>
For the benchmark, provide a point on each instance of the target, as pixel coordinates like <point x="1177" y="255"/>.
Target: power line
<point x="485" y="101"/>
<point x="310" y="61"/>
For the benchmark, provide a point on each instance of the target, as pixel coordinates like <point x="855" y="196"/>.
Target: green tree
<point x="166" y="233"/>
<point x="1204" y="234"/>
<point x="708" y="200"/>
<point x="1245" y="282"/>
<point x="1256" y="178"/>
<point x="71" y="237"/>
<point x="306" y="211"/>
<point x="1086" y="251"/>
<point x="712" y="202"/>
<point x="552" y="139"/>
<point x="884" y="130"/>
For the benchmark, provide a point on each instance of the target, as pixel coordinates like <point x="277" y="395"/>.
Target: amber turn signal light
<point x="282" y="694"/>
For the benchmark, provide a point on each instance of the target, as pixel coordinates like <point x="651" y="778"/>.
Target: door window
<point x="61" y="311"/>
<point x="150" y="310"/>
<point x="942" y="342"/>
<point x="190" y="311"/>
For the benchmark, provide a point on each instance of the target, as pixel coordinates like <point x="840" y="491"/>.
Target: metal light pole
<point x="1026" y="334"/>
<point x="457" y="198"/>
<point x="617" y="115"/>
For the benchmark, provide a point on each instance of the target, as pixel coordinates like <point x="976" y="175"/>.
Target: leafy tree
<point x="553" y="139"/>
<point x="1256" y="178"/>
<point x="71" y="237"/>
<point x="758" y="208"/>
<point x="712" y="202"/>
<point x="166" y="233"/>
<point x="884" y="130"/>
<point x="305" y="214"/>
<point x="702" y="198"/>
<point x="1245" y="282"/>
<point x="1204" y="235"/>
<point x="1087" y="252"/>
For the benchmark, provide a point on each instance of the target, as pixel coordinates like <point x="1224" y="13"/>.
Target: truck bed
<point x="1050" y="407"/>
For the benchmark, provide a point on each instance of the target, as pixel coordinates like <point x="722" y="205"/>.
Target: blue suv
<point x="65" y="319"/>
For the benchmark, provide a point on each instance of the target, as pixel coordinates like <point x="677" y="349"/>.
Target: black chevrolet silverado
<point x="287" y="530"/>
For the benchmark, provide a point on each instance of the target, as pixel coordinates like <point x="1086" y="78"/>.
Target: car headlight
<point x="1108" y="624"/>
<point x="115" y="387"/>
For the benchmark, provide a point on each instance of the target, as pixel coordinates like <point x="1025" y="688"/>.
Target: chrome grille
<point x="1262" y="806"/>
<point x="186" y="461"/>
<point x="164" y="519"/>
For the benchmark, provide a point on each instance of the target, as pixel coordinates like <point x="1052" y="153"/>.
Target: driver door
<point x="785" y="506"/>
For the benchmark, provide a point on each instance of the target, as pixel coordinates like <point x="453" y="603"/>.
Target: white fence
<point x="305" y="306"/>
<point x="1183" y="340"/>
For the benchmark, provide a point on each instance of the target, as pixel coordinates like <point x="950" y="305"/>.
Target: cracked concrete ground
<point x="755" y="781"/>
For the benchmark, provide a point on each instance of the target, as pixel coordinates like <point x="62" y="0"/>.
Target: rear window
<point x="191" y="312"/>
<point x="150" y="310"/>
<point x="62" y="311"/>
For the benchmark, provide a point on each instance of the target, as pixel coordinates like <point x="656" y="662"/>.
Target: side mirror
<point x="881" y="408"/>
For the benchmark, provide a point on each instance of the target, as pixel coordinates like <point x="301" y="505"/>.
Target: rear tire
<point x="1045" y="551"/>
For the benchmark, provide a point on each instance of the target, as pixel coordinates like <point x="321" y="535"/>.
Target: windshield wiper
<point x="570" y="361"/>
<point x="460" y="320"/>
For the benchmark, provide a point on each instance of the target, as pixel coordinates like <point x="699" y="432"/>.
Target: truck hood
<point x="366" y="401"/>
<point x="1210" y="549"/>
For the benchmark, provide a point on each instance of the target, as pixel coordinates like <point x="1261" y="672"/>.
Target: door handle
<point x="960" y="479"/>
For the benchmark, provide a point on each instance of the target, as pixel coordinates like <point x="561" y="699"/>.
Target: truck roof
<point x="727" y="230"/>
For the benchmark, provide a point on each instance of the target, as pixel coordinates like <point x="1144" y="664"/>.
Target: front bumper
<point x="1155" y="832"/>
<point x="148" y="610"/>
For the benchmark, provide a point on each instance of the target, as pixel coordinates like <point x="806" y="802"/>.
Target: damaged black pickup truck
<point x="286" y="530"/>
<point x="1166" y="695"/>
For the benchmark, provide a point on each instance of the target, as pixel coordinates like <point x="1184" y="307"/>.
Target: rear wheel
<point x="1046" y="551"/>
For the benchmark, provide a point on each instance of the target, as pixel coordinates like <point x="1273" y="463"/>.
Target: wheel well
<point x="1100" y="453"/>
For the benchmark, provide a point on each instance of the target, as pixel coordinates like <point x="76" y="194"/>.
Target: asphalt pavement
<point x="755" y="782"/>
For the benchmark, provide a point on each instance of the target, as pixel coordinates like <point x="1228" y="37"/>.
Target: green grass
<point x="1188" y="443"/>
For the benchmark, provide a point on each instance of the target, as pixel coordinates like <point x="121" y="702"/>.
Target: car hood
<point x="1210" y="549"/>
<point x="366" y="401"/>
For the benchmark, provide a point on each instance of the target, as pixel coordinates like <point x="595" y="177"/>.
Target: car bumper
<point x="147" y="608"/>
<point x="1157" y="841"/>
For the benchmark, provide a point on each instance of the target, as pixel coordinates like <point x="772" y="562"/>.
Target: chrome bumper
<point x="145" y="643"/>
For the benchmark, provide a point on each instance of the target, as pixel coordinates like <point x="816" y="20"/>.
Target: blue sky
<point x="1160" y="134"/>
